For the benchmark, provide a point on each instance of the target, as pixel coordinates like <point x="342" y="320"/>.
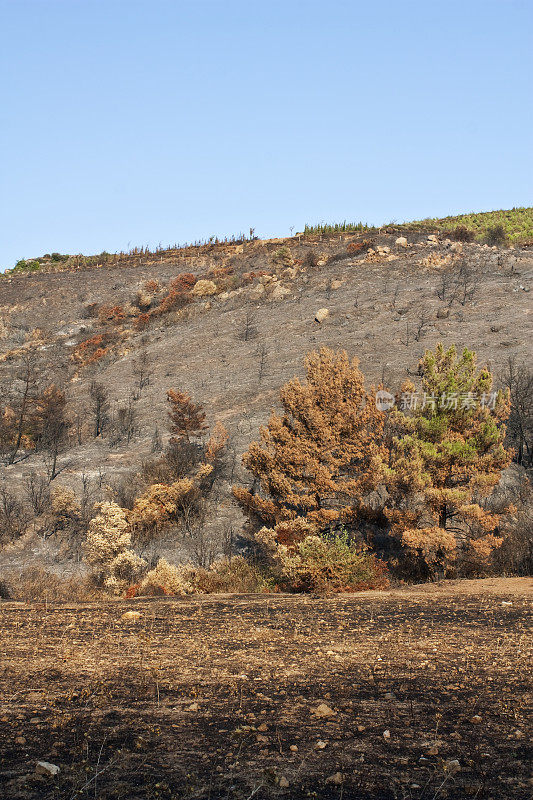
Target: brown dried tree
<point x="322" y="456"/>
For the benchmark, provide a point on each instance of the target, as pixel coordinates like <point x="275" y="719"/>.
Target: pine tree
<point x="447" y="456"/>
<point x="186" y="418"/>
<point x="323" y="454"/>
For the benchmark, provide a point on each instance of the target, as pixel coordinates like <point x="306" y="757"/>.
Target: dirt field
<point x="413" y="693"/>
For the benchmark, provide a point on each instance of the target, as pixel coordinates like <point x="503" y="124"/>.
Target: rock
<point x="457" y="247"/>
<point x="336" y="778"/>
<point x="477" y="720"/>
<point x="20" y="740"/>
<point x="204" y="288"/>
<point x="443" y="313"/>
<point x="279" y="292"/>
<point x="452" y="766"/>
<point x="507" y="603"/>
<point x="193" y="707"/>
<point x="321" y="263"/>
<point x="256" y="291"/>
<point x="263" y="727"/>
<point x="131" y="616"/>
<point x="320" y="745"/>
<point x="390" y="696"/>
<point x="401" y="241"/>
<point x="47" y="769"/>
<point x="323" y="710"/>
<point x="386" y="734"/>
<point x="433" y="239"/>
<point x="336" y="284"/>
<point x="293" y="748"/>
<point x="266" y="279"/>
<point x="495" y="328"/>
<point x="283" y="782"/>
<point x="361" y="728"/>
<point x="321" y="314"/>
<point x="290" y="273"/>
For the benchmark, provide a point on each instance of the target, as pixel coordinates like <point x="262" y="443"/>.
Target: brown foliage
<point x="186" y="418"/>
<point x="323" y="454"/>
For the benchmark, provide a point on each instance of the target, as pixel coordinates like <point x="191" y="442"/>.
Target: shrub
<point x="496" y="235"/>
<point x="114" y="314"/>
<point x="184" y="282"/>
<point x="152" y="286"/>
<point x="235" y="575"/>
<point x="330" y="563"/>
<point x="166" y="579"/>
<point x="92" y="349"/>
<point x="463" y="234"/>
<point x="204" y="288"/>
<point x="107" y="548"/>
<point x="38" y="584"/>
<point x="173" y="301"/>
<point x="282" y="257"/>
<point x="142" y="321"/>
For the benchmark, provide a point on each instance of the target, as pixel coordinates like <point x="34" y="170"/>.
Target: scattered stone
<point x="321" y="314"/>
<point x="279" y="292"/>
<point x="336" y="284"/>
<point x="193" y="707"/>
<point x="293" y="748"/>
<point x="401" y="241"/>
<point x="386" y="734"/>
<point x="20" y="740"/>
<point x="452" y="766"/>
<point x="361" y="728"/>
<point x="390" y="696"/>
<point x="283" y="782"/>
<point x="323" y="710"/>
<point x="443" y="313"/>
<point x="507" y="603"/>
<point x="477" y="720"/>
<point x="433" y="239"/>
<point x="320" y="745"/>
<point x="131" y="616"/>
<point x="495" y="328"/>
<point x="336" y="778"/>
<point x="47" y="769"/>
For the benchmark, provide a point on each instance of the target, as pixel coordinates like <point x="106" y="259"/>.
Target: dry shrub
<point x="462" y="234"/>
<point x="221" y="272"/>
<point x="143" y="300"/>
<point x="223" y="576"/>
<point x="111" y="314"/>
<point x="166" y="579"/>
<point x="151" y="286"/>
<point x="141" y="321"/>
<point x="93" y="349"/>
<point x="173" y="301"/>
<point x="36" y="584"/>
<point x="107" y="548"/>
<point x="204" y="288"/>
<point x="358" y="247"/>
<point x="184" y="282"/>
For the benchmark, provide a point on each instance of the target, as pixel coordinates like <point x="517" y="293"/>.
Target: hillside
<point x="244" y="334"/>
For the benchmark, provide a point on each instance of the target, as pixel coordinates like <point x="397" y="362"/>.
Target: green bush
<point x="331" y="563"/>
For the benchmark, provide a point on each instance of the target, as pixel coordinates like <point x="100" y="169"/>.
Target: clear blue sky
<point x="145" y="121"/>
